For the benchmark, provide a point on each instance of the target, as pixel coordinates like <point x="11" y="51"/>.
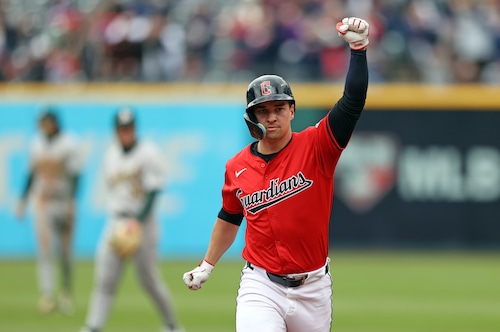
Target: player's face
<point x="126" y="135"/>
<point x="276" y="117"/>
<point x="48" y="127"/>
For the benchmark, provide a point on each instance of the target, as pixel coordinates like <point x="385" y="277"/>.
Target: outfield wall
<point x="422" y="169"/>
<point x="420" y="178"/>
<point x="196" y="140"/>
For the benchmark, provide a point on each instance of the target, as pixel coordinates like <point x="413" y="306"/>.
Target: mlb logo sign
<point x="367" y="169"/>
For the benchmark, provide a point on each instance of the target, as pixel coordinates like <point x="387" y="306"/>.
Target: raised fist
<point x="354" y="31"/>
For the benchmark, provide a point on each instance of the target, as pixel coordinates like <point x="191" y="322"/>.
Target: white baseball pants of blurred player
<point x="53" y="224"/>
<point x="265" y="306"/>
<point x="109" y="268"/>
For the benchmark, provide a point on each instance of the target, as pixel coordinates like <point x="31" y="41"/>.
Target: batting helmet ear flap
<point x="257" y="130"/>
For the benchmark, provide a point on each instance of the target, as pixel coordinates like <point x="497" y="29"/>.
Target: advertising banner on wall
<point x="420" y="178"/>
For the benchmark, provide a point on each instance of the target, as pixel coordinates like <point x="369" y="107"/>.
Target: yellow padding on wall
<point x="315" y="95"/>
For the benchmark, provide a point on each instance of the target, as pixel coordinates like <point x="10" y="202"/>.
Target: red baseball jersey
<point x="286" y="202"/>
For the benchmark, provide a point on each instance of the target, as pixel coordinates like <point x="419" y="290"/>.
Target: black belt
<point x="287" y="281"/>
<point x="125" y="215"/>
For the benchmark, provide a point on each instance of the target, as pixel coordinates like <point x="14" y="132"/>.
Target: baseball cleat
<point x="66" y="304"/>
<point x="88" y="329"/>
<point x="46" y="305"/>
<point x="173" y="330"/>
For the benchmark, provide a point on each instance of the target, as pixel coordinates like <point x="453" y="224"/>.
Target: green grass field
<point x="373" y="292"/>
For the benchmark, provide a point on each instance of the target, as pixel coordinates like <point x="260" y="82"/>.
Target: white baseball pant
<point x="265" y="306"/>
<point x="109" y="268"/>
<point x="52" y="219"/>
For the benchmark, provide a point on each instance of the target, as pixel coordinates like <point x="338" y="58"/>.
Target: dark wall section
<point x="420" y="178"/>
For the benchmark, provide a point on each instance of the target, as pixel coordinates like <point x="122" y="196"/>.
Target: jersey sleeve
<point x="153" y="169"/>
<point x="326" y="147"/>
<point x="74" y="156"/>
<point x="230" y="202"/>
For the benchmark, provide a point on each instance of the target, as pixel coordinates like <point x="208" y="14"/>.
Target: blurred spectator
<point x="430" y="41"/>
<point x="164" y="49"/>
<point x="124" y="37"/>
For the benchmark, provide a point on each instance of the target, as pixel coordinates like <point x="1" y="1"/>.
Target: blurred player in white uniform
<point x="52" y="182"/>
<point x="134" y="176"/>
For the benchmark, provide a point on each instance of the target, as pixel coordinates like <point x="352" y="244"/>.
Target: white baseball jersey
<point x="129" y="175"/>
<point x="54" y="161"/>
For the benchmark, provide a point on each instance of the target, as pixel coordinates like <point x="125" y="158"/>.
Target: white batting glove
<point x="354" y="31"/>
<point x="194" y="278"/>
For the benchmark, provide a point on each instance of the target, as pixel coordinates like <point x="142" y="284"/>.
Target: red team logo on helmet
<point x="265" y="88"/>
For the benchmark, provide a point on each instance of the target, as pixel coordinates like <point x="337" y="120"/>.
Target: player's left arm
<point x="147" y="205"/>
<point x="344" y="115"/>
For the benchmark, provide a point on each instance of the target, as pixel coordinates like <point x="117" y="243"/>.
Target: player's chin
<point x="273" y="132"/>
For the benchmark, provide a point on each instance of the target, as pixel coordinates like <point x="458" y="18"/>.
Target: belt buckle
<point x="301" y="278"/>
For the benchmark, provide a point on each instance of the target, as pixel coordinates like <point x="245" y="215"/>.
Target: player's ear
<point x="292" y="111"/>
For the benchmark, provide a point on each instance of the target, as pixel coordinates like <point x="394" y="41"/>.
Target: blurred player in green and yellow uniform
<point x="55" y="164"/>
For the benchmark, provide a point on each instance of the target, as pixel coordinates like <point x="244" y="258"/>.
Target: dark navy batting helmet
<point x="262" y="89"/>
<point x="266" y="88"/>
<point x="124" y="118"/>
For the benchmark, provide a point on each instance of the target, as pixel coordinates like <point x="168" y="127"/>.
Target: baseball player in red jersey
<point x="283" y="185"/>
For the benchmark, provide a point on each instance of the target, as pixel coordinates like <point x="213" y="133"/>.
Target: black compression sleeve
<point x="27" y="186"/>
<point x="232" y="218"/>
<point x="148" y="204"/>
<point x="344" y="115"/>
<point x="356" y="82"/>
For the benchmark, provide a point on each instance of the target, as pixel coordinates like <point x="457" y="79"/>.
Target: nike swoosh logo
<point x="239" y="172"/>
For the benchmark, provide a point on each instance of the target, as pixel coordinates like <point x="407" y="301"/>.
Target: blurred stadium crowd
<point x="440" y="41"/>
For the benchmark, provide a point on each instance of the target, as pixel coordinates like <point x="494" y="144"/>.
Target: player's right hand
<point x="194" y="278"/>
<point x="354" y="31"/>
